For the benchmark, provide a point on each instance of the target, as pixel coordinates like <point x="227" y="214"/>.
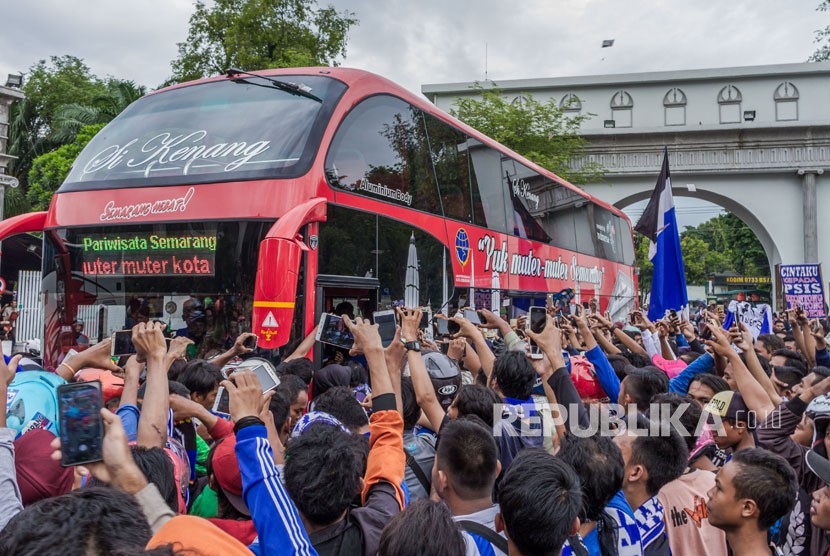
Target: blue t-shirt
<point x="129" y="415"/>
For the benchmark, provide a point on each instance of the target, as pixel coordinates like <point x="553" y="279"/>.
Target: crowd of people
<point x="587" y="437"/>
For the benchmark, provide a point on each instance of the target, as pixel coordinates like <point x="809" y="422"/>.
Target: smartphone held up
<point x="81" y="425"/>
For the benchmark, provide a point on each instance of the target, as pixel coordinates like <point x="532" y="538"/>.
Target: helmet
<point x="445" y="376"/>
<point x="32" y="347"/>
<point x="111" y="385"/>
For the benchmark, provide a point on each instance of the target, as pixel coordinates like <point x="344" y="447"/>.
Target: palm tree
<point x="69" y="118"/>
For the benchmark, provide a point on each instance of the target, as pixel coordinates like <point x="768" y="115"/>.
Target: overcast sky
<point x="432" y="41"/>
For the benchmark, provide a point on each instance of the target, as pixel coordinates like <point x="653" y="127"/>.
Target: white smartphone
<point x="332" y="330"/>
<point x="264" y="371"/>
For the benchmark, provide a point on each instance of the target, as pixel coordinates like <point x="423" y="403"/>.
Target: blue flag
<point x="659" y="224"/>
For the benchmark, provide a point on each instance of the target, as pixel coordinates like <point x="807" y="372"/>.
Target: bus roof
<point x="362" y="83"/>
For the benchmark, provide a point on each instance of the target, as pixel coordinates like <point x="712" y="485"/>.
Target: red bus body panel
<point x="280" y="254"/>
<point x="485" y="260"/>
<point x="22" y="223"/>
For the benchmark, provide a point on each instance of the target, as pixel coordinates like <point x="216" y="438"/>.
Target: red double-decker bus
<point x="255" y="202"/>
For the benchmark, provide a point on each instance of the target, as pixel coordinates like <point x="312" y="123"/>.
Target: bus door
<point x="354" y="295"/>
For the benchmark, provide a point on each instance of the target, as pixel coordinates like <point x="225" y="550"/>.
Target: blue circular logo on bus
<point x="462" y="246"/>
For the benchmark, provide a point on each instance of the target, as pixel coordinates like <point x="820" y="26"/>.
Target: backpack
<point x="32" y="402"/>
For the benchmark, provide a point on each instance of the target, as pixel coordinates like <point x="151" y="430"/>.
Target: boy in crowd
<point x="753" y="491"/>
<point x="464" y="473"/>
<point x="539" y="504"/>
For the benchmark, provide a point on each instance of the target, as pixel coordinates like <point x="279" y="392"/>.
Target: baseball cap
<point x="195" y="315"/>
<point x="818" y="465"/>
<point x="226" y="470"/>
<point x="728" y="405"/>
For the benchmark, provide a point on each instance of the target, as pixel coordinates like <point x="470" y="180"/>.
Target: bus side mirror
<point x="275" y="292"/>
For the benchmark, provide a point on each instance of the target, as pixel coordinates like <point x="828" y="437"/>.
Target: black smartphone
<point x="673" y="314"/>
<point x="81" y="426"/>
<point x="250" y="342"/>
<point x="122" y="343"/>
<point x="537" y="319"/>
<point x="424" y="320"/>
<point x="386" y="321"/>
<point x="472" y="316"/>
<point x="445" y="347"/>
<point x="447" y="327"/>
<point x="332" y="330"/>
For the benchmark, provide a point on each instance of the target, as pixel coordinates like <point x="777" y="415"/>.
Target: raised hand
<point x="366" y="335"/>
<point x="720" y="342"/>
<point x="550" y="338"/>
<point x="245" y="395"/>
<point x="118" y="467"/>
<point x="410" y="323"/>
<point x="148" y="339"/>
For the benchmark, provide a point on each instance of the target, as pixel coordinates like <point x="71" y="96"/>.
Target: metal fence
<point x="30" y="320"/>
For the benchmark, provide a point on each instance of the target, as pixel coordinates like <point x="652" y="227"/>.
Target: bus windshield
<point x="196" y="277"/>
<point x="230" y="130"/>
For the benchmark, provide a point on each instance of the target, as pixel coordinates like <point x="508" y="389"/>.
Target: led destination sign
<point x="149" y="254"/>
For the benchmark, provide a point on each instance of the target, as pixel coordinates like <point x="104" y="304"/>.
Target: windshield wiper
<point x="288" y="87"/>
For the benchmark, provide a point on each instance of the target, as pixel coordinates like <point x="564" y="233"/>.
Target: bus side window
<point x="488" y="194"/>
<point x="524" y="188"/>
<point x="627" y="245"/>
<point x="453" y="169"/>
<point x="381" y="151"/>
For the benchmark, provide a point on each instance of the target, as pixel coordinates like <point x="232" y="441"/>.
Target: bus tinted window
<point x="561" y="207"/>
<point x="524" y="187"/>
<point x="381" y="151"/>
<point x="453" y="169"/>
<point x="204" y="133"/>
<point x="627" y="244"/>
<point x="606" y="234"/>
<point x="488" y="193"/>
<point x="585" y="230"/>
<point x="197" y="277"/>
<point x="354" y="243"/>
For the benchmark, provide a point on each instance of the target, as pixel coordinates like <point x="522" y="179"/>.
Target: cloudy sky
<point x="432" y="41"/>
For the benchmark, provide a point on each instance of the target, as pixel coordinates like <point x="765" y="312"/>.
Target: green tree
<point x="538" y="131"/>
<point x="260" y="34"/>
<point x="733" y="246"/>
<point x="721" y="244"/>
<point x="50" y="169"/>
<point x="47" y="86"/>
<point x="70" y="118"/>
<point x="822" y="53"/>
<point x="641" y="243"/>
